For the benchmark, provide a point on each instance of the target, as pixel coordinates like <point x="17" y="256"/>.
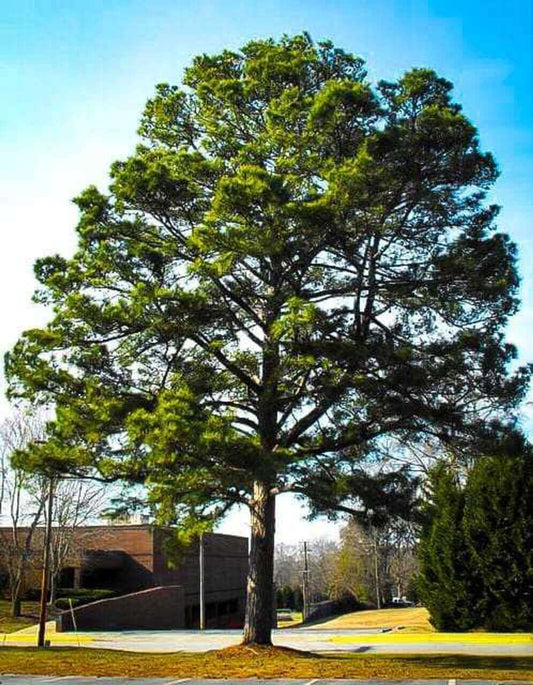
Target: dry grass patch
<point x="413" y="620"/>
<point x="291" y="620"/>
<point x="258" y="662"/>
<point x="8" y="624"/>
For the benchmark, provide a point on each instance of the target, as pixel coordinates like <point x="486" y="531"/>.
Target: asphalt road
<point x="76" y="680"/>
<point x="371" y="641"/>
<point x="311" y="640"/>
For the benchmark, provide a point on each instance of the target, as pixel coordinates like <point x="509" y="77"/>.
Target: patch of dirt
<point x="263" y="651"/>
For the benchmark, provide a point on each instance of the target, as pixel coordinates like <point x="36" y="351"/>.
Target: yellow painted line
<point x="463" y="638"/>
<point x="54" y="639"/>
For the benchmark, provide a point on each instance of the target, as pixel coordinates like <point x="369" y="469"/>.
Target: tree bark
<point x="376" y="571"/>
<point x="53" y="589"/>
<point x="260" y="597"/>
<point x="16" y="604"/>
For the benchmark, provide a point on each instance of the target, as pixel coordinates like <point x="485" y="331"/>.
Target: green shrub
<point x="81" y="596"/>
<point x="447" y="583"/>
<point x="476" y="548"/>
<point x="498" y="526"/>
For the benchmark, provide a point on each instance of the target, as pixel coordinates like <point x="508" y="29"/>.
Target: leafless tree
<point x="76" y="504"/>
<point x="23" y="502"/>
<point x="288" y="566"/>
<point x="23" y="510"/>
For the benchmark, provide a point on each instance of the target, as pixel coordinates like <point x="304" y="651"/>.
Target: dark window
<point x="66" y="577"/>
<point x="100" y="578"/>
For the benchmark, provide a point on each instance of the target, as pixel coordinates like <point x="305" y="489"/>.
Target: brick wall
<point x="135" y="544"/>
<point x="159" y="608"/>
<point x="226" y="570"/>
<point x="129" y="558"/>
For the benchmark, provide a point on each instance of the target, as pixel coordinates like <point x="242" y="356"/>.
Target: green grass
<point x="289" y="620"/>
<point x="411" y="619"/>
<point x="473" y="639"/>
<point x="258" y="662"/>
<point x="8" y="624"/>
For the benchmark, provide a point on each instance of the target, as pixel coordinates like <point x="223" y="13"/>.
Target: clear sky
<point x="74" y="75"/>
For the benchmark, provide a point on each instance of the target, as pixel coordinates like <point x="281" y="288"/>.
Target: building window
<point x="66" y="577"/>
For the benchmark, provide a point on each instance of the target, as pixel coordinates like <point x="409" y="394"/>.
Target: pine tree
<point x="292" y="267"/>
<point x="447" y="585"/>
<point x="476" y="549"/>
<point x="498" y="528"/>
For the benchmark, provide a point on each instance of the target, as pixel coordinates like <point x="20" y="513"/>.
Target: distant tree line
<point x="366" y="567"/>
<point x="466" y="555"/>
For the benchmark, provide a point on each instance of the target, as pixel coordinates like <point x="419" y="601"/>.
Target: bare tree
<point x="22" y="508"/>
<point x="76" y="503"/>
<point x="23" y="502"/>
<point x="287" y="566"/>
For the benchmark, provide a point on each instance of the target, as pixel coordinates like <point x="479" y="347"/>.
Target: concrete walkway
<point x="371" y="640"/>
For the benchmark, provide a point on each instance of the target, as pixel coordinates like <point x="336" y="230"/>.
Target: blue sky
<point x="74" y="75"/>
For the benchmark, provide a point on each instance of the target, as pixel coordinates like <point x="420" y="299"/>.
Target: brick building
<point x="132" y="558"/>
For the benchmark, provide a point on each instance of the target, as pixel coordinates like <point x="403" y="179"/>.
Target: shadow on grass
<point x="260" y="662"/>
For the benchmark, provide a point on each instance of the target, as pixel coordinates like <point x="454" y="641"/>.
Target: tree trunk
<point x="259" y="600"/>
<point x="376" y="572"/>
<point x="53" y="588"/>
<point x="16" y="603"/>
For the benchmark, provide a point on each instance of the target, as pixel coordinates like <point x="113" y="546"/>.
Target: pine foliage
<point x="476" y="549"/>
<point x="293" y="266"/>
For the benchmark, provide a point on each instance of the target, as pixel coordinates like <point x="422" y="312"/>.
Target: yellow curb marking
<point x="463" y="638"/>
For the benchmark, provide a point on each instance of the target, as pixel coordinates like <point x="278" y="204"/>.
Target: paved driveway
<point x="309" y="639"/>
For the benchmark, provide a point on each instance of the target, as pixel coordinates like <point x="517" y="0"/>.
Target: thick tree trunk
<point x="260" y="596"/>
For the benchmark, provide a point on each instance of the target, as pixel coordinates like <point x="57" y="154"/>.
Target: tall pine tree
<point x="291" y="267"/>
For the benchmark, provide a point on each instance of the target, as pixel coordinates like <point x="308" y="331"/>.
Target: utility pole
<point x="305" y="584"/>
<point x="374" y="534"/>
<point x="202" y="581"/>
<point x="46" y="566"/>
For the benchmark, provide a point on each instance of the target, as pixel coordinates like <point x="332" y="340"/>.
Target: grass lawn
<point x="412" y="620"/>
<point x="244" y="662"/>
<point x="30" y="615"/>
<point x="289" y="620"/>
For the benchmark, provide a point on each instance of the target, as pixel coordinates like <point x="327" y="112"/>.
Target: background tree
<point x="403" y="565"/>
<point x="354" y="567"/>
<point x="23" y="510"/>
<point x="446" y="585"/>
<point x="292" y="267"/>
<point x="498" y="527"/>
<point x="363" y="550"/>
<point x="22" y="506"/>
<point x="77" y="503"/>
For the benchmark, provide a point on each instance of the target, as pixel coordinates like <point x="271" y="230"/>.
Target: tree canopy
<point x="293" y="266"/>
